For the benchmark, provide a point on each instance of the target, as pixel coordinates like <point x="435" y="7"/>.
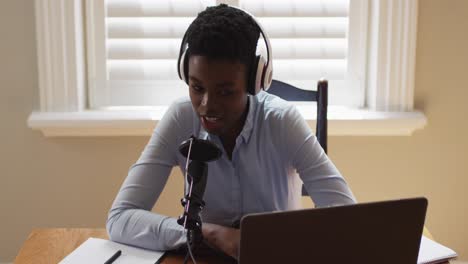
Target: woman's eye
<point x="196" y="88"/>
<point x="226" y="92"/>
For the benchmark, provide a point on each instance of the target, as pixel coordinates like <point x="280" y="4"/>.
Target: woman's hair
<point x="223" y="32"/>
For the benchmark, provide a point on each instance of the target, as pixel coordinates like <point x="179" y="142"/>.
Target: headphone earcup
<point x="183" y="67"/>
<point x="253" y="76"/>
<point x="267" y="77"/>
<point x="259" y="72"/>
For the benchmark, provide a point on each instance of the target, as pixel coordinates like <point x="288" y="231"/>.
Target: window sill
<point x="140" y="122"/>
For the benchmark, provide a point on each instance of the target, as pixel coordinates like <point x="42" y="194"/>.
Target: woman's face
<point x="219" y="94"/>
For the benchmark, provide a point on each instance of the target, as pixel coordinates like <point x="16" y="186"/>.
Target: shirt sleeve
<point x="130" y="220"/>
<point x="321" y="178"/>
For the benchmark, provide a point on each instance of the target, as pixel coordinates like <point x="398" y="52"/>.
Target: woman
<point x="266" y="143"/>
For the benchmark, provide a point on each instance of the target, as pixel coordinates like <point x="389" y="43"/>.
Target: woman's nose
<point x="208" y="103"/>
<point x="204" y="101"/>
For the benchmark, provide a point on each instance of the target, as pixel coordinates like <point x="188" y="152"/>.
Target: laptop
<point x="377" y="232"/>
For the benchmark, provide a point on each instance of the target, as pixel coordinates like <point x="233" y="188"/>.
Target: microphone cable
<point x="189" y="237"/>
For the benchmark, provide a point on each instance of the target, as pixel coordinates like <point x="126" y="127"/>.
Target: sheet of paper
<point x="96" y="250"/>
<point x="433" y="252"/>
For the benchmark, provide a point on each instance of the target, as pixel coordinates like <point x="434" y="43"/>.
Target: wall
<point x="71" y="182"/>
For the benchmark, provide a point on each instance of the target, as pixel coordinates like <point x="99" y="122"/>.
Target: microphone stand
<point x="193" y="203"/>
<point x="197" y="152"/>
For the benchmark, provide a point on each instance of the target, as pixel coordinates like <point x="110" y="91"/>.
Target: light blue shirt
<point x="275" y="150"/>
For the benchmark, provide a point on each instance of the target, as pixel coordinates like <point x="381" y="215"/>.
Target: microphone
<point x="198" y="171"/>
<point x="197" y="152"/>
<point x="202" y="149"/>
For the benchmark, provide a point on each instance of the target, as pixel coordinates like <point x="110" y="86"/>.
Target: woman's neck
<point x="229" y="139"/>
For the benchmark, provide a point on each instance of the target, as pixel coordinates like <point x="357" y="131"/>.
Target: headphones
<point x="261" y="72"/>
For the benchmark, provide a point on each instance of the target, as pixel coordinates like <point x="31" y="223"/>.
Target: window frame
<point x="387" y="108"/>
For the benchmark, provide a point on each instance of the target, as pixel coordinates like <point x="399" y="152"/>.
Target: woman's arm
<point x="321" y="178"/>
<point x="130" y="219"/>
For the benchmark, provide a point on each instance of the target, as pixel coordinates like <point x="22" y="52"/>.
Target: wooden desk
<point x="51" y="245"/>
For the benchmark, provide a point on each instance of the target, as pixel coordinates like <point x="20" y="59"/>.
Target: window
<point x="97" y="55"/>
<point x="135" y="62"/>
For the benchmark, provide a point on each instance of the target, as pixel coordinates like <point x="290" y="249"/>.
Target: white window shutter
<point x="142" y="41"/>
<point x="309" y="40"/>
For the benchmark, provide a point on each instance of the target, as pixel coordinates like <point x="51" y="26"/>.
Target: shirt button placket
<point x="236" y="183"/>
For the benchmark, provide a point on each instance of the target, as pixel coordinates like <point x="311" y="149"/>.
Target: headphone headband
<point x="266" y="39"/>
<point x="263" y="70"/>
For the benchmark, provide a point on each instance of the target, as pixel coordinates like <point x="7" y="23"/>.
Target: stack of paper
<point x="432" y="252"/>
<point x="96" y="250"/>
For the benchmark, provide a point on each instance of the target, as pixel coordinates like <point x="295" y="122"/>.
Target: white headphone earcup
<point x="259" y="74"/>
<point x="182" y="67"/>
<point x="267" y="77"/>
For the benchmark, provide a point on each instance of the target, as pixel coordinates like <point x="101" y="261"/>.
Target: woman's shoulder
<point x="272" y="107"/>
<point x="180" y="115"/>
<point x="182" y="104"/>
<point x="181" y="109"/>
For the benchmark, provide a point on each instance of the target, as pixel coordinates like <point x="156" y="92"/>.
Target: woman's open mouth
<point x="211" y="123"/>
